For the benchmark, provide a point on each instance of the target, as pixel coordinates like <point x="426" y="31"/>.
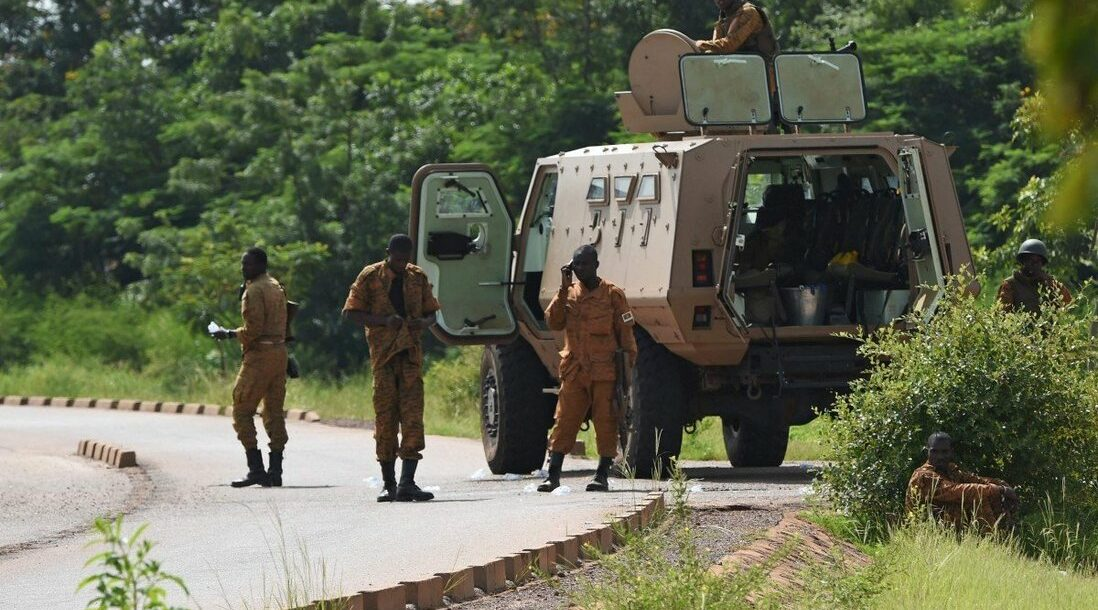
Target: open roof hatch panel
<point x="820" y="87"/>
<point x="725" y="89"/>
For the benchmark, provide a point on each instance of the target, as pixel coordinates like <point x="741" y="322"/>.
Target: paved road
<point x="228" y="543"/>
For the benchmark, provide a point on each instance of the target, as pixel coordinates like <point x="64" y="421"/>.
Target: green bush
<point x="1018" y="394"/>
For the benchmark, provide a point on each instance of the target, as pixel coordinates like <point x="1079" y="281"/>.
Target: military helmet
<point x="1033" y="246"/>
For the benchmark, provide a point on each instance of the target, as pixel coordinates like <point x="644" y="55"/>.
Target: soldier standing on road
<point x="262" y="373"/>
<point x="741" y="27"/>
<point x="597" y="322"/>
<point x="393" y="300"/>
<point x="1031" y="285"/>
<point x="956" y="497"/>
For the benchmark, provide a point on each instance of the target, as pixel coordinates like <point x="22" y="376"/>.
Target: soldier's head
<point x="1032" y="256"/>
<point x="399" y="251"/>
<point x="253" y="263"/>
<point x="939" y="449"/>
<point x="585" y="263"/>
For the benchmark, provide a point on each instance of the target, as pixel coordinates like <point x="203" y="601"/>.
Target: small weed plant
<point x="127" y="577"/>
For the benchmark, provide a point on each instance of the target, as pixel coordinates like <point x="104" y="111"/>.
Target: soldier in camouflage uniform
<point x="597" y="322"/>
<point x="956" y="497"/>
<point x="1030" y="286"/>
<point x="393" y="300"/>
<point x="741" y="27"/>
<point x="262" y="375"/>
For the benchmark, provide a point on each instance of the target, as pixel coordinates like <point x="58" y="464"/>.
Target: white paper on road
<point x="510" y="476"/>
<point x="373" y="482"/>
<point x="563" y="490"/>
<point x="696" y="489"/>
<point x="531" y="488"/>
<point x="479" y="475"/>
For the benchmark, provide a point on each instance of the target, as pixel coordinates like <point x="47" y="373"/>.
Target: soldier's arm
<point x="1062" y="290"/>
<point x="429" y="305"/>
<point x="950" y="492"/>
<point x="743" y="26"/>
<point x="623" y="325"/>
<point x="357" y="305"/>
<point x="556" y="314"/>
<point x="1005" y="296"/>
<point x="251" y="310"/>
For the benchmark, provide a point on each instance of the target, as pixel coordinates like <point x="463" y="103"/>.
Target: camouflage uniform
<point x="747" y="30"/>
<point x="1019" y="292"/>
<point x="959" y="498"/>
<point x="262" y="373"/>
<point x="596" y="323"/>
<point x="396" y="357"/>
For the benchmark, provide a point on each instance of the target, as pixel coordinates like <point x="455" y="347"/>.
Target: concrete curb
<point x="508" y="571"/>
<point x="144" y="406"/>
<point x="113" y="456"/>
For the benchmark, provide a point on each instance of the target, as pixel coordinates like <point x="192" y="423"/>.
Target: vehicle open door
<point x="463" y="233"/>
<point x="922" y="240"/>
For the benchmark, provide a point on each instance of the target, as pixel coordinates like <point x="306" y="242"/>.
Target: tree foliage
<point x="145" y="145"/>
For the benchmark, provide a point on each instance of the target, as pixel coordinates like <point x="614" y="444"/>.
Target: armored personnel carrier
<point x="745" y="244"/>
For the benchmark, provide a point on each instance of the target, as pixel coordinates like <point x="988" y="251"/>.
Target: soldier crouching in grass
<point x="958" y="498"/>
<point x="393" y="300"/>
<point x="262" y="373"/>
<point x="597" y="322"/>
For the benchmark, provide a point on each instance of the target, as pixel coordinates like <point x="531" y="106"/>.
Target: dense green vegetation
<point x="145" y="146"/>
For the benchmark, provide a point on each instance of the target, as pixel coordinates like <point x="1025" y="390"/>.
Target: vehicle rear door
<point x="922" y="240"/>
<point x="464" y="233"/>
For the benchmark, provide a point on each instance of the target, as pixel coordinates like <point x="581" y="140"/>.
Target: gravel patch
<point x="720" y="530"/>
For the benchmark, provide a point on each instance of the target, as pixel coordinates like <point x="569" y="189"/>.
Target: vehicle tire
<point x="657" y="397"/>
<point x="756" y="441"/>
<point x="515" y="415"/>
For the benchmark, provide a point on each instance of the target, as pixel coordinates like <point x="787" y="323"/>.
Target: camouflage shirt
<point x="595" y="323"/>
<point x="370" y="294"/>
<point x="953" y="494"/>
<point x="263" y="307"/>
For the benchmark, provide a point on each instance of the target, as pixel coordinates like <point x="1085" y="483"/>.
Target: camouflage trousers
<point x="398" y="407"/>
<point x="262" y="377"/>
<point x="578" y="394"/>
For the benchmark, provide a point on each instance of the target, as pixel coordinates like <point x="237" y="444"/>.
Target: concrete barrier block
<point x="660" y="504"/>
<point x="106" y="403"/>
<point x="15" y="401"/>
<point x="170" y="407"/>
<point x="295" y="415"/>
<point x="37" y="401"/>
<point x="100" y="449"/>
<point x="490" y="577"/>
<point x="61" y="401"/>
<point x="517" y="567"/>
<point x="127" y="459"/>
<point x="589" y="544"/>
<point x="426" y="594"/>
<point x="214" y="410"/>
<point x="391" y="598"/>
<point x="543" y="559"/>
<point x="192" y="408"/>
<point x="128" y="404"/>
<point x="111" y="455"/>
<point x="567" y="551"/>
<point x="81" y="447"/>
<point x="458" y="585"/>
<point x="148" y="407"/>
<point x="312" y="416"/>
<point x="350" y="602"/>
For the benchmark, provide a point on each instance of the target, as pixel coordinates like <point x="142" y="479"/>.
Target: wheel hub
<point x="489" y="405"/>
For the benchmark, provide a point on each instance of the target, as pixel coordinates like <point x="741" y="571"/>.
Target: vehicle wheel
<point x="657" y="397"/>
<point x="515" y="414"/>
<point x="756" y="441"/>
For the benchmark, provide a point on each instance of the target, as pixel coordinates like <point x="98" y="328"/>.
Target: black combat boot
<point x="408" y="491"/>
<point x="389" y="481"/>
<point x="274" y="469"/>
<point x="556" y="461"/>
<point x="256" y="475"/>
<point x="599" y="483"/>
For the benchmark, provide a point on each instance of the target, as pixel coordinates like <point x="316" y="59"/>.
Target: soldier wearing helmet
<point x="1030" y="285"/>
<point x="741" y="27"/>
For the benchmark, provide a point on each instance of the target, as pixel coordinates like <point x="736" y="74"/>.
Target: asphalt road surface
<point x="235" y="547"/>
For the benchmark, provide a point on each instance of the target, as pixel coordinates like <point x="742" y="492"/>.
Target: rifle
<point x="621" y="384"/>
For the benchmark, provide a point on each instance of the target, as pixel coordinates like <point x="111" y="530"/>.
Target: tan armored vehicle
<point x="743" y="251"/>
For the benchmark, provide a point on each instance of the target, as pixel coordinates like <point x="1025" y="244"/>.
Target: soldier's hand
<point x="565" y="277"/>
<point x="415" y="324"/>
<point x="224" y="334"/>
<point x="394" y="322"/>
<point x="1010" y="494"/>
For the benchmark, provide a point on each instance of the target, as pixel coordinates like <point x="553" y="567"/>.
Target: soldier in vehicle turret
<point x="741" y="27"/>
